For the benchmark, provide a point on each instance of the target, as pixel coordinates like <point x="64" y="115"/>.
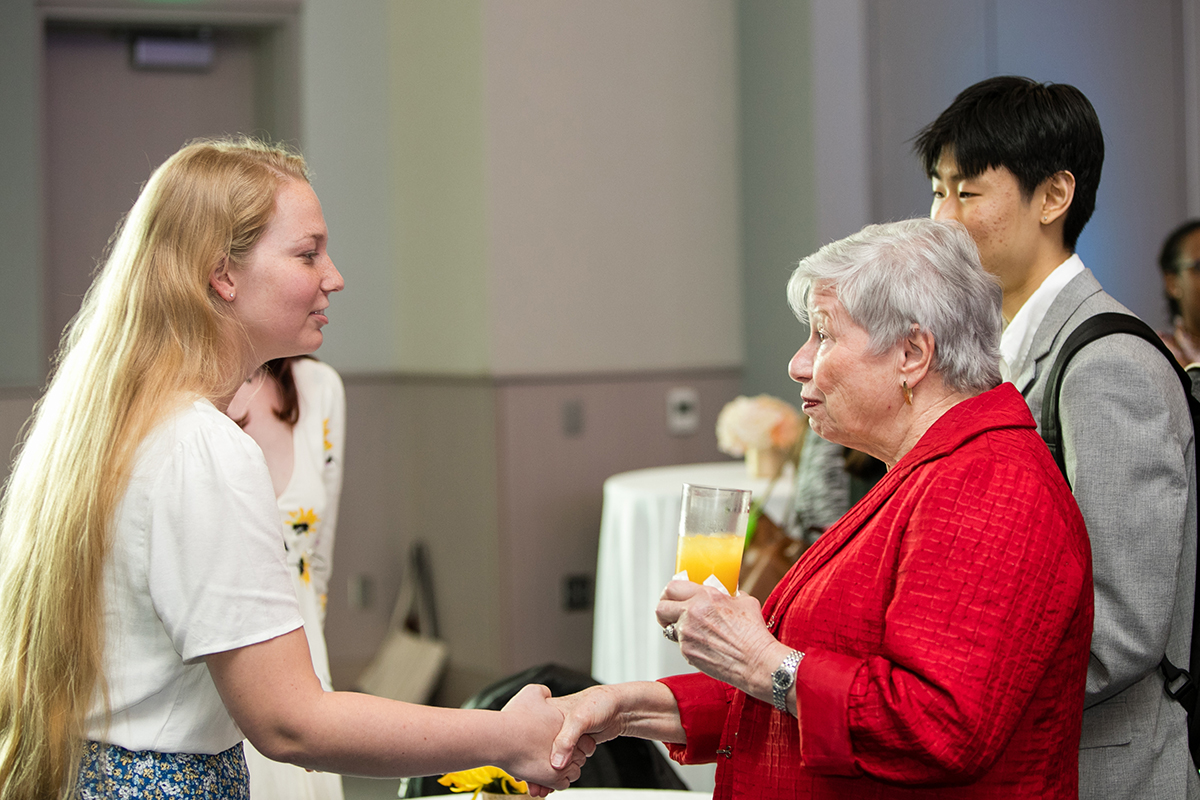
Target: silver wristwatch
<point x="783" y="678"/>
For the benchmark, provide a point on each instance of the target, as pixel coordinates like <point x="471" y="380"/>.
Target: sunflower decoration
<point x="303" y="521"/>
<point x="489" y="780"/>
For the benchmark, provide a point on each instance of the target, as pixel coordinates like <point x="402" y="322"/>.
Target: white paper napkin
<point x="711" y="581"/>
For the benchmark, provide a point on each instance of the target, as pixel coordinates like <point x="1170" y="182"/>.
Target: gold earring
<point x="907" y="392"/>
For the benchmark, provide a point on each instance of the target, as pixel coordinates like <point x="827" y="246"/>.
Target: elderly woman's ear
<point x="916" y="356"/>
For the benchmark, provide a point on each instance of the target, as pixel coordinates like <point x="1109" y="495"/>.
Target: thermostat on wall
<point x="683" y="411"/>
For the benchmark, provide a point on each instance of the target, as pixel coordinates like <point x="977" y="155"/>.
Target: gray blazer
<point x="1128" y="445"/>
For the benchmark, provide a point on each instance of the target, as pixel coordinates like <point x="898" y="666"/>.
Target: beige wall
<point x="347" y="136"/>
<point x="420" y="464"/>
<point x="436" y="68"/>
<point x="551" y="488"/>
<point x="528" y="188"/>
<point x="612" y="185"/>
<point x="21" y="359"/>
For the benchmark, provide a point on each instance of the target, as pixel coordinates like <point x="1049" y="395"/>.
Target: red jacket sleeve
<point x="823" y="684"/>
<point x="703" y="709"/>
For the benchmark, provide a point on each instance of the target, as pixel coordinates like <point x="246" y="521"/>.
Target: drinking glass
<point x="712" y="530"/>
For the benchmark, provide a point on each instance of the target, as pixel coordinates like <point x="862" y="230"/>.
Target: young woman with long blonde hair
<point x="147" y="618"/>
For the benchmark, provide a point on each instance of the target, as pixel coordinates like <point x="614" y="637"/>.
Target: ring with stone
<point x="669" y="633"/>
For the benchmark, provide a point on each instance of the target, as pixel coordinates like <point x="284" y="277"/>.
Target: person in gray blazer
<point x="1018" y="163"/>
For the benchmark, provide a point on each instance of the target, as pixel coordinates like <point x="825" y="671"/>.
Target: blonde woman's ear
<point x="221" y="279"/>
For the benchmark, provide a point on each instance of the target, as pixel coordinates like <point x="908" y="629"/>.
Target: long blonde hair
<point x="151" y="335"/>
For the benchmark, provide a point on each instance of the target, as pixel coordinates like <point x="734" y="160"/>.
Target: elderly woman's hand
<point x="535" y="725"/>
<point x="642" y="708"/>
<point x="724" y="637"/>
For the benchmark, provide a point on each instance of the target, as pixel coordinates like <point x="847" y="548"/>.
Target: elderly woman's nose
<point x="800" y="367"/>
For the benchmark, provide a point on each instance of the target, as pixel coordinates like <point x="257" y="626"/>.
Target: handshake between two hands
<point x="724" y="637"/>
<point x="558" y="734"/>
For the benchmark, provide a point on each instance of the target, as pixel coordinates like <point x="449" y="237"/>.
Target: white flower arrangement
<point x="757" y="423"/>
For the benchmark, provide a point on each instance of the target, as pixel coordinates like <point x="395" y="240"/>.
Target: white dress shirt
<point x="1018" y="334"/>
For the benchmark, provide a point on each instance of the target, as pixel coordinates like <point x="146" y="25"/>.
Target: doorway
<point x="109" y="122"/>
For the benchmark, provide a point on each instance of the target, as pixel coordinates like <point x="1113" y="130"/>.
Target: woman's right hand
<point x="537" y="722"/>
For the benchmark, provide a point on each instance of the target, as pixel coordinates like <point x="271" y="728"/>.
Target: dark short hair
<point x="1168" y="257"/>
<point x="1031" y="129"/>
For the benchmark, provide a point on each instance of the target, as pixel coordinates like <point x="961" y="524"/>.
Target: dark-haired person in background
<point x="295" y="410"/>
<point x="1179" y="259"/>
<point x="1018" y="163"/>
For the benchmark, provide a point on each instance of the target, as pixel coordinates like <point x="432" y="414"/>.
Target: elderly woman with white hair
<point x="934" y="642"/>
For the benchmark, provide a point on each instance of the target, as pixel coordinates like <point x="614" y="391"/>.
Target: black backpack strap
<point x="1089" y="330"/>
<point x="1179" y="684"/>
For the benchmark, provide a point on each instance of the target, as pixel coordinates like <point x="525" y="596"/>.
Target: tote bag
<point x="409" y="664"/>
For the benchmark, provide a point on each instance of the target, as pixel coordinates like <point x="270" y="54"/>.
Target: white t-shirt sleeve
<point x="217" y="574"/>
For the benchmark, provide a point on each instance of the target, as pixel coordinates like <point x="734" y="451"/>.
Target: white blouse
<point x="195" y="569"/>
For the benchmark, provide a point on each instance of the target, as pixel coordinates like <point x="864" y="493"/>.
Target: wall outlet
<point x="572" y="418"/>
<point x="683" y="411"/>
<point x="577" y="593"/>
<point x="360" y="590"/>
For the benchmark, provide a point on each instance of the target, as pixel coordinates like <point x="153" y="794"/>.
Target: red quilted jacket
<point x="946" y="620"/>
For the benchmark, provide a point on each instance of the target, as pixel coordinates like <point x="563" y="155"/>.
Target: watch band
<point x="783" y="678"/>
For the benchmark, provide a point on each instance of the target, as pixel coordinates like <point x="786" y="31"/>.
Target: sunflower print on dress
<point x="303" y="521"/>
<point x="304" y="525"/>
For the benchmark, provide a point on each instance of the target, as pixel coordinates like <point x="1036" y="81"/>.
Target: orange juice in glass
<point x="712" y="530"/>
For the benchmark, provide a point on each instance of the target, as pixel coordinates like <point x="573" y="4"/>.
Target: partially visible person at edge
<point x="295" y="409"/>
<point x="147" y="618"/>
<point x="829" y="480"/>
<point x="934" y="641"/>
<point x="1018" y="163"/>
<point x="1179" y="260"/>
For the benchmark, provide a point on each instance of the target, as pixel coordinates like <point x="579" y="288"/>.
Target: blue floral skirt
<point x="108" y="772"/>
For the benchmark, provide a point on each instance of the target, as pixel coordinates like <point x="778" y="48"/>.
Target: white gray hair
<point x="919" y="272"/>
